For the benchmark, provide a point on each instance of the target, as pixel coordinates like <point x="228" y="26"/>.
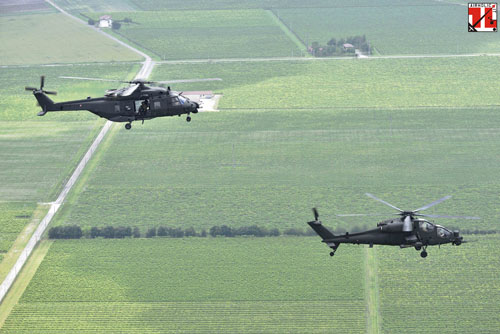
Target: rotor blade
<point x="364" y="214"/>
<point x="93" y="79"/>
<point x="130" y="90"/>
<point x="42" y="81"/>
<point x="382" y="201"/>
<point x="316" y="215"/>
<point x="425" y="207"/>
<point x="453" y="217"/>
<point x="188" y="80"/>
<point x="30" y="88"/>
<point x="50" y="92"/>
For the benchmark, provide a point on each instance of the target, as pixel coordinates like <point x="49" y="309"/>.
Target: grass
<point x="71" y="44"/>
<point x="338" y="85"/>
<point x="242" y="285"/>
<point x="13" y="218"/>
<point x="207" y="34"/>
<point x="407" y="30"/>
<point x="23" y="279"/>
<point x="12" y="248"/>
<point x="268" y="167"/>
<point x="78" y="6"/>
<point x="452" y="290"/>
<point x="235" y="4"/>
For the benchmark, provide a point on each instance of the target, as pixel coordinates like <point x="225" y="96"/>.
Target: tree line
<point x="120" y="232"/>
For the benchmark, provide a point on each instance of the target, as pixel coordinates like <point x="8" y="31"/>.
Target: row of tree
<point x="340" y="47"/>
<point x="120" y="232"/>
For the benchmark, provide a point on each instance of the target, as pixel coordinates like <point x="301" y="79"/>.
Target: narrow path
<point x="144" y="72"/>
<point x="371" y="291"/>
<point x="269" y="59"/>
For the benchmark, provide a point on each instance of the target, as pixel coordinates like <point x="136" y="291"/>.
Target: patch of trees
<point x="340" y="47"/>
<point x="65" y="232"/>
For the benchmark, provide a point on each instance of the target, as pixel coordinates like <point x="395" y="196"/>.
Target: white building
<point x="105" y="21"/>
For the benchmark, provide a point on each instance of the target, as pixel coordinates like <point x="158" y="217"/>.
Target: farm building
<point x="348" y="46"/>
<point x="105" y="21"/>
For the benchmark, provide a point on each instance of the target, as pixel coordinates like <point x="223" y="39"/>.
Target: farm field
<point x="37" y="153"/>
<point x="80" y="6"/>
<point x="268" y="167"/>
<point x="207" y="34"/>
<point x="235" y="4"/>
<point x="13" y="217"/>
<point x="341" y="84"/>
<point x="222" y="284"/>
<point x="416" y="29"/>
<point x="74" y="43"/>
<point x="453" y="290"/>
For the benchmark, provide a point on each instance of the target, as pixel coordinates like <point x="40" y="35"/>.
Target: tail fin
<point x="322" y="231"/>
<point x="45" y="102"/>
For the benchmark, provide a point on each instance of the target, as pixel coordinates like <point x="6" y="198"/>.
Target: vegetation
<point x="453" y="290"/>
<point x="74" y="43"/>
<point x="338" y="47"/>
<point x="13" y="217"/>
<point x="221" y="284"/>
<point x="392" y="29"/>
<point x="206" y="34"/>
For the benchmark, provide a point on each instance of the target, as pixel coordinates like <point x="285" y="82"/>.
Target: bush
<point x="136" y="233"/>
<point x="65" y="232"/>
<point x="151" y="232"/>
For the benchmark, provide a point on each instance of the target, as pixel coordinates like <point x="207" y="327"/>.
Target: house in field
<point x="348" y="46"/>
<point x="105" y="21"/>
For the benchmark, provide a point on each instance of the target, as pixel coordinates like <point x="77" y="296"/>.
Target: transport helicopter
<point x="137" y="102"/>
<point x="408" y="230"/>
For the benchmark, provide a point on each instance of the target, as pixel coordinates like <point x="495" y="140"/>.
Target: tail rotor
<point x="40" y="90"/>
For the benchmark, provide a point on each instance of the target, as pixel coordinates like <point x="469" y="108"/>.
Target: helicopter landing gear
<point x="423" y="254"/>
<point x="128" y="126"/>
<point x="188" y="119"/>
<point x="332" y="253"/>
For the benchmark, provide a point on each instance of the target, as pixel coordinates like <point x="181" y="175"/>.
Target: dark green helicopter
<point x="408" y="230"/>
<point x="137" y="102"/>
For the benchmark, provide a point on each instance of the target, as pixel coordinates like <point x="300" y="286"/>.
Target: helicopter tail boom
<point x="45" y="102"/>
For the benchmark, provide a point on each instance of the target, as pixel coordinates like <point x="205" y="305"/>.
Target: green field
<point x="13" y="217"/>
<point x="453" y="290"/>
<point x="38" y="153"/>
<point x="337" y="85"/>
<point x="235" y="4"/>
<point x="403" y="30"/>
<point x="279" y="285"/>
<point x="269" y="167"/>
<point x="207" y="34"/>
<point x="64" y="41"/>
<point x="79" y="6"/>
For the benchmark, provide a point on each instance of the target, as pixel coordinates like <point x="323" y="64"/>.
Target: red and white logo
<point x="483" y="16"/>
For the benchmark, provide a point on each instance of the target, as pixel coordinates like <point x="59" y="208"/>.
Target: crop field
<point x="235" y="4"/>
<point x="269" y="166"/>
<point x="79" y="6"/>
<point x="408" y="30"/>
<point x="207" y="34"/>
<point x="13" y="218"/>
<point x="453" y="290"/>
<point x="351" y="83"/>
<point x="279" y="285"/>
<point x="37" y="153"/>
<point x="74" y="43"/>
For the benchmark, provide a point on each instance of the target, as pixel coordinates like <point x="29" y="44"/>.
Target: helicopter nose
<point x="195" y="107"/>
<point x="457" y="239"/>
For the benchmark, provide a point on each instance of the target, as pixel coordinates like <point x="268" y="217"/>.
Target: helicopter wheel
<point x="128" y="126"/>
<point x="188" y="119"/>
<point x="332" y="253"/>
<point x="423" y="254"/>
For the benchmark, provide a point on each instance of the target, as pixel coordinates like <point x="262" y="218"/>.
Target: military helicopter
<point x="137" y="102"/>
<point x="408" y="230"/>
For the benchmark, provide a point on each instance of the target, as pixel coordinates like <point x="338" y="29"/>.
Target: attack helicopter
<point x="137" y="102"/>
<point x="408" y="230"/>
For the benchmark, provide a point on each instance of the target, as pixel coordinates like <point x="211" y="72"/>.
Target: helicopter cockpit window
<point x="175" y="101"/>
<point x="426" y="227"/>
<point x="443" y="233"/>
<point x="182" y="99"/>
